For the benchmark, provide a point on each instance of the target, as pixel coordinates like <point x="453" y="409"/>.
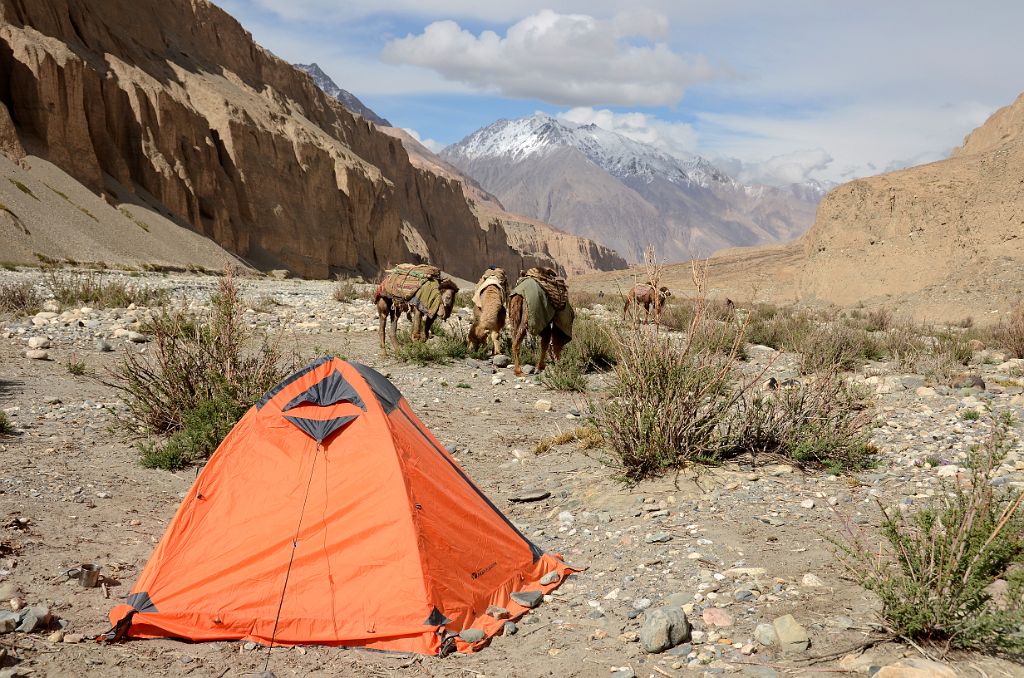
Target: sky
<point x="773" y="91"/>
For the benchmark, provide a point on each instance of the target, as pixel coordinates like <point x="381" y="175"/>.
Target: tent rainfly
<point x="331" y="515"/>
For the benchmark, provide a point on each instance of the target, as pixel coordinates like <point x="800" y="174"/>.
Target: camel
<point x="489" y="310"/>
<point x="647" y="296"/>
<point x="422" y="319"/>
<point x="551" y="324"/>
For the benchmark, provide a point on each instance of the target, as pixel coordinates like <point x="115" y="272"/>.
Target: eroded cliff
<point x="171" y="106"/>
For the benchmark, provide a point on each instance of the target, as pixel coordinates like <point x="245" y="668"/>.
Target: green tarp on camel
<point x="542" y="311"/>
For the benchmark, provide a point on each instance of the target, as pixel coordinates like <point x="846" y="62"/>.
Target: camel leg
<point x="383" y="318"/>
<point x="427" y="324"/>
<point x="558" y="342"/>
<point x="393" y="329"/>
<point x="625" y="307"/>
<point x="545" y="341"/>
<point x="496" y="341"/>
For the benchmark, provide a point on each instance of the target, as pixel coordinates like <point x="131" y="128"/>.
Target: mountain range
<point x="624" y="193"/>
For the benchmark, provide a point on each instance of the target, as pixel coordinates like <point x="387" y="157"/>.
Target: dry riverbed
<point x="739" y="547"/>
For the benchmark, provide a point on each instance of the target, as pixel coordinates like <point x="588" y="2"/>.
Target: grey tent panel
<point x="437" y="618"/>
<point x="330" y="390"/>
<point x="320" y="429"/>
<point x="387" y="394"/>
<point x="141" y="602"/>
<point x="284" y="384"/>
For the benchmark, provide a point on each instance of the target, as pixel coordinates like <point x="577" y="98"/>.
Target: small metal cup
<point x="89" y="575"/>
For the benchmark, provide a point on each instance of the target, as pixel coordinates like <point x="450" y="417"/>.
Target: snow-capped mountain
<point x="618" y="155"/>
<point x="347" y="99"/>
<point x="625" y="193"/>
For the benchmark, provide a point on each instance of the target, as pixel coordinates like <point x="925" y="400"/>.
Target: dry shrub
<point x="781" y="331"/>
<point x="585" y="437"/>
<point x="879" y="320"/>
<point x="92" y="288"/>
<point x="345" y="291"/>
<point x="820" y="423"/>
<point x="6" y="427"/>
<point x="444" y="346"/>
<point x="936" y="569"/>
<point x="19" y="297"/>
<point x="1010" y="333"/>
<point x="199" y="377"/>
<point x="671" y="396"/>
<point x="837" y="345"/>
<point x="904" y="345"/>
<point x="582" y="299"/>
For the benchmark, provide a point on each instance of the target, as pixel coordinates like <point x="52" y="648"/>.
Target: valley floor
<point x="750" y="540"/>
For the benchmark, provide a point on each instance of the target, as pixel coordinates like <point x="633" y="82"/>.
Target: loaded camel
<point x="489" y="301"/>
<point x="416" y="290"/>
<point x="646" y="295"/>
<point x="539" y="304"/>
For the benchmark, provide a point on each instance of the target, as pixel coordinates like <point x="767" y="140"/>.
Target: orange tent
<point x="330" y="515"/>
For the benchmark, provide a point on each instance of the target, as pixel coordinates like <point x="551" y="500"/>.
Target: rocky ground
<point x="743" y="550"/>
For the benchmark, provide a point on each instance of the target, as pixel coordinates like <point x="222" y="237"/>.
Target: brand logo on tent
<point x="481" y="572"/>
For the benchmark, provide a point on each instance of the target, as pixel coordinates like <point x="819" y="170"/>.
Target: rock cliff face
<point x="947" y="237"/>
<point x="170" y="105"/>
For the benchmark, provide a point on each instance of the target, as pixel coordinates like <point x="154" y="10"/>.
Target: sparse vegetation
<point x="443" y="347"/>
<point x="936" y="577"/>
<point x="75" y="366"/>
<point x="91" y="288"/>
<point x="463" y="300"/>
<point x="197" y="379"/>
<point x="586" y="437"/>
<point x="970" y="415"/>
<point x="345" y="291"/>
<point x="19" y="297"/>
<point x="818" y="423"/>
<point x="1010" y="333"/>
<point x="837" y="345"/>
<point x="6" y="427"/>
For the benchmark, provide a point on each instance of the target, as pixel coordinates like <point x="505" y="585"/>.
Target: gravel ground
<point x="738" y="547"/>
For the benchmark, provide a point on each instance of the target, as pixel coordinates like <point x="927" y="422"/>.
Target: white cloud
<point x="780" y="170"/>
<point x="565" y="59"/>
<point x="431" y="144"/>
<point x="861" y="139"/>
<point x="677" y="138"/>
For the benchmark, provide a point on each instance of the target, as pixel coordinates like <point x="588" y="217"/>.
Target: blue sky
<point x="772" y="91"/>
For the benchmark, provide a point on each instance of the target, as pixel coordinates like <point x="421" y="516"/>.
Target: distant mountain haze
<point x="624" y="193"/>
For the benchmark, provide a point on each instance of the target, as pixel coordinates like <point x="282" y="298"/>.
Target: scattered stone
<point x="529" y="599"/>
<point x="623" y="672"/>
<point x="530" y="495"/>
<point x="33" y="618"/>
<point x="765" y="634"/>
<point x="497" y="612"/>
<point x="8" y="621"/>
<point x="925" y="391"/>
<point x="664" y="628"/>
<point x="509" y="629"/>
<point x="73" y="638"/>
<point x="742" y="595"/>
<point x="811" y="580"/>
<point x="103" y="346"/>
<point x="56" y="637"/>
<point x="658" y="538"/>
<point x="542" y="406"/>
<point x="501" y="360"/>
<point x="37" y="354"/>
<point x="968" y="381"/>
<point x="39" y="342"/>
<point x="716" y="616"/>
<point x="497" y="379"/>
<point x="792" y="637"/>
<point x="137" y="337"/>
<point x="550" y="578"/>
<point x="472" y="635"/>
<point x="807" y="504"/>
<point x="916" y="667"/>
